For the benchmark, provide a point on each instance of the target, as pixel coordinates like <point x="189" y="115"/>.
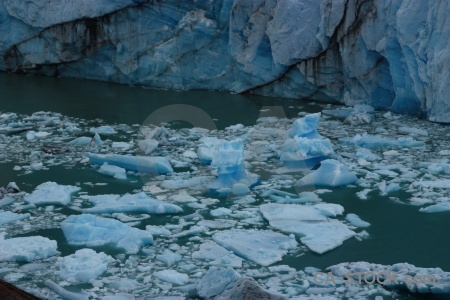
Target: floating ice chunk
<point x="376" y="141"/>
<point x="356" y="220"/>
<point x="114" y="171"/>
<point x="361" y="114"/>
<point x="190" y="154"/>
<point x="215" y="281"/>
<point x="305" y="152"/>
<point x="26" y="248"/>
<point x="221" y="211"/>
<point x="239" y="189"/>
<point x="440" y="207"/>
<point x="199" y="182"/>
<point x="306" y="127"/>
<point x="124" y="284"/>
<point x="303" y="197"/>
<point x="331" y="173"/>
<point x="148" y="145"/>
<point x="91" y="231"/>
<point x="130" y="203"/>
<point x="106" y="130"/>
<point x="80" y="141"/>
<point x="7" y="217"/>
<point x="157" y="230"/>
<point x="121" y="296"/>
<point x="217" y="223"/>
<point x="6" y="201"/>
<point x="49" y="193"/>
<point x="183" y="197"/>
<point x="338" y="113"/>
<point x="412" y="130"/>
<point x="236" y="127"/>
<point x="168" y="257"/>
<point x="207" y="149"/>
<point x="386" y="189"/>
<point x="172" y="276"/>
<point x="122" y="145"/>
<point x="318" y="232"/>
<point x="366" y="154"/>
<point x="83" y="266"/>
<point x="440" y="184"/>
<point x="144" y="164"/>
<point x="263" y="247"/>
<point x="437" y="168"/>
<point x="217" y="255"/>
<point x="31" y="135"/>
<point x="65" y="294"/>
<point x="229" y="160"/>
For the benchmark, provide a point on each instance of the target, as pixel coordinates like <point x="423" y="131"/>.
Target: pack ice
<point x="130" y="203"/>
<point x="92" y="231"/>
<point x="49" y="193"/>
<point x="319" y="232"/>
<point x="305" y="147"/>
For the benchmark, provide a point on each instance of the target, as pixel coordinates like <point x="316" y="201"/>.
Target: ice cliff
<point x="389" y="54"/>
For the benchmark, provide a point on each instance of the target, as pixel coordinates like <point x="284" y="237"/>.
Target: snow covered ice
<point x="91" y="231"/>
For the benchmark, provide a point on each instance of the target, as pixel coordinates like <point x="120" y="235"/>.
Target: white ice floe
<point x="31" y="135"/>
<point x="114" y="171"/>
<point x="439" y="207"/>
<point x="105" y="130"/>
<point x="264" y="247"/>
<point x="49" y="193"/>
<point x="331" y="173"/>
<point x="172" y="276"/>
<point x="239" y="189"/>
<point x="147" y="146"/>
<point x="91" y="231"/>
<point x="217" y="255"/>
<point x="376" y="141"/>
<point x="312" y="223"/>
<point x="7" y="217"/>
<point x="356" y="220"/>
<point x="82" y="266"/>
<point x="413" y="131"/>
<point x="144" y="164"/>
<point x="168" y="257"/>
<point x="207" y="149"/>
<point x="26" y="248"/>
<point x="221" y="211"/>
<point x="440" y="184"/>
<point x="130" y="203"/>
<point x="122" y="145"/>
<point x="157" y="230"/>
<point x="217" y="223"/>
<point x="215" y="281"/>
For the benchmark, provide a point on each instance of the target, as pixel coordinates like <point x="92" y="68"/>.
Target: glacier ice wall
<point x="392" y="55"/>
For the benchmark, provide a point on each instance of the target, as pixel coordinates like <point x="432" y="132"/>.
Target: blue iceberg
<point x="331" y="173"/>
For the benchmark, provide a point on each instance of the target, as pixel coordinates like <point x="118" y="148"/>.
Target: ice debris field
<point x="210" y="213"/>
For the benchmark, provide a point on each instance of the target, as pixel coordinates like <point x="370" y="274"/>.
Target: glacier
<point x="392" y="55"/>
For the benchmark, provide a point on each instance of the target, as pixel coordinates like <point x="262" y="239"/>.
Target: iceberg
<point x="305" y="148"/>
<point x="26" y="248"/>
<point x="331" y="173"/>
<point x="130" y="203"/>
<point x="144" y="164"/>
<point x="229" y="160"/>
<point x="82" y="266"/>
<point x="91" y="231"/>
<point x="263" y="247"/>
<point x="114" y="171"/>
<point x="49" y="193"/>
<point x="312" y="223"/>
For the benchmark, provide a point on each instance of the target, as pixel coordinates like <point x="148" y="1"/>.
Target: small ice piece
<point x="437" y="168"/>
<point x="236" y="127"/>
<point x="190" y="154"/>
<point x="264" y="247"/>
<point x="144" y="164"/>
<point x="221" y="211"/>
<point x="31" y="135"/>
<point x="7" y="217"/>
<point x="6" y="201"/>
<point x="98" y="141"/>
<point x="50" y="193"/>
<point x="217" y="255"/>
<point x="356" y="220"/>
<point x="157" y="230"/>
<point x="65" y="294"/>
<point x="318" y="232"/>
<point x="239" y="189"/>
<point x="303" y="197"/>
<point x="183" y="196"/>
<point x="105" y="130"/>
<point x="26" y="248"/>
<point x="439" y="184"/>
<point x="331" y="173"/>
<point x="80" y="141"/>
<point x="130" y="203"/>
<point x="172" y="276"/>
<point x="207" y="149"/>
<point x="229" y="160"/>
<point x="91" y="231"/>
<point x="215" y="281"/>
<point x="217" y="223"/>
<point x="121" y="145"/>
<point x="305" y="152"/>
<point x="306" y="127"/>
<point x="376" y="141"/>
<point x="440" y="207"/>
<point x="366" y="154"/>
<point x="83" y="266"/>
<point x="114" y="171"/>
<point x="148" y="145"/>
<point x="361" y="114"/>
<point x="413" y="131"/>
<point x="168" y="257"/>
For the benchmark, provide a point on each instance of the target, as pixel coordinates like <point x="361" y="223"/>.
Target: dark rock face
<point x="389" y="54"/>
<point x="10" y="292"/>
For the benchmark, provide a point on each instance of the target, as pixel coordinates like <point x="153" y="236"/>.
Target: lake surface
<point x="399" y="232"/>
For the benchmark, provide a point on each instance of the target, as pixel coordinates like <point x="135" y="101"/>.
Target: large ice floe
<point x="129" y="203"/>
<point x="51" y="193"/>
<point x="305" y="148"/>
<point x="313" y="223"/>
<point x="91" y="231"/>
<point x="143" y="164"/>
<point x="26" y="248"/>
